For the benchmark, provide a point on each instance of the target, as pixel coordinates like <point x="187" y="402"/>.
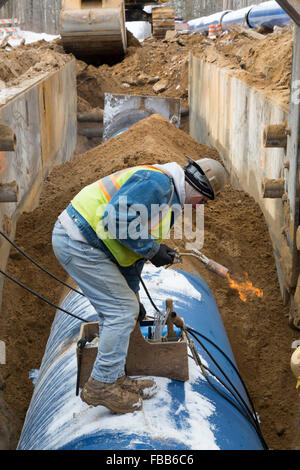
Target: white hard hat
<point x="206" y="175"/>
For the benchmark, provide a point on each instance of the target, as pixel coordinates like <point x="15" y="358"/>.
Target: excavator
<point x="94" y="30"/>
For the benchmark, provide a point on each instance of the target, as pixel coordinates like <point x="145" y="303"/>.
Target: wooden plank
<point x="163" y="13"/>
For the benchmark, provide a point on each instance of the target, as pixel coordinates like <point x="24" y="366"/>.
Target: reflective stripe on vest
<point x="91" y="202"/>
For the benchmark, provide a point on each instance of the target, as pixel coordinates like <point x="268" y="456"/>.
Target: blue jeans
<point x="116" y="304"/>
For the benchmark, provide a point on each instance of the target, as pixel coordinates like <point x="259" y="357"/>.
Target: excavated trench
<point x="236" y="234"/>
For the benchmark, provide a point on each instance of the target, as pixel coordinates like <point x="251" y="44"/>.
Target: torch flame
<point x="244" y="288"/>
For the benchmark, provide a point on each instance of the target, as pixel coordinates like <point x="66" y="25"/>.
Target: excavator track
<point x="96" y="35"/>
<point x="163" y="20"/>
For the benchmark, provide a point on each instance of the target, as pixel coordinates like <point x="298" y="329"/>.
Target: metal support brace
<point x="291" y="256"/>
<point x="292" y="7"/>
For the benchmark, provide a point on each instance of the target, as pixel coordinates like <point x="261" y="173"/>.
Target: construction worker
<point x="94" y="241"/>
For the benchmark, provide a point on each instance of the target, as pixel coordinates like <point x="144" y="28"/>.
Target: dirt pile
<point x="160" y="68"/>
<point x="235" y="235"/>
<point x="264" y="64"/>
<point x="27" y="61"/>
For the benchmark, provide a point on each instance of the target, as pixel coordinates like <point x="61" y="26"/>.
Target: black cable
<point x="146" y="290"/>
<point x="228" y="399"/>
<point x="221" y="370"/>
<point x="217" y="390"/>
<point x="148" y="295"/>
<point x="243" y="404"/>
<point x="253" y="424"/>
<point x="40" y="296"/>
<point x="228" y="359"/>
<point x="191" y="331"/>
<point x="253" y="414"/>
<point x="38" y="265"/>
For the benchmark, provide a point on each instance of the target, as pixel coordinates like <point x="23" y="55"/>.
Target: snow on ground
<point x="30" y="37"/>
<point x="140" y="29"/>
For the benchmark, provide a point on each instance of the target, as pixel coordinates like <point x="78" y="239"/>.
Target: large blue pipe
<point x="189" y="415"/>
<point x="267" y="14"/>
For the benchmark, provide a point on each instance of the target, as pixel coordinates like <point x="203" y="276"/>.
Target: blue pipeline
<point x="267" y="14"/>
<point x="189" y="415"/>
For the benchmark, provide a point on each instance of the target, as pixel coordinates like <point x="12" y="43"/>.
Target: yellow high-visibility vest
<point x="91" y="201"/>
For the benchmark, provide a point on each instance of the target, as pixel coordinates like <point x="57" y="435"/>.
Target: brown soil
<point x="264" y="64"/>
<point x="25" y="62"/>
<point x="235" y="231"/>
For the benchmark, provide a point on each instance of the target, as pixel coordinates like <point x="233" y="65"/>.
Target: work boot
<point x="111" y="395"/>
<point x="144" y="387"/>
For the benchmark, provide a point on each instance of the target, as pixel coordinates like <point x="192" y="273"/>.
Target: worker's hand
<point x="165" y="255"/>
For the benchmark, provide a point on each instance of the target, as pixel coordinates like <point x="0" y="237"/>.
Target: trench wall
<point x="43" y="114"/>
<point x="229" y="115"/>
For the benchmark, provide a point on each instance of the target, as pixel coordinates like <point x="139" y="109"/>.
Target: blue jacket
<point x="143" y="187"/>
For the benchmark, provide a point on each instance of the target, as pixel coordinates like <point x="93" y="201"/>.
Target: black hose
<point x="251" y="413"/>
<point x="191" y="331"/>
<point x="146" y="290"/>
<point x="217" y="390"/>
<point x="228" y="359"/>
<point x="40" y="296"/>
<point x="257" y="429"/>
<point x="226" y="377"/>
<point x="38" y="265"/>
